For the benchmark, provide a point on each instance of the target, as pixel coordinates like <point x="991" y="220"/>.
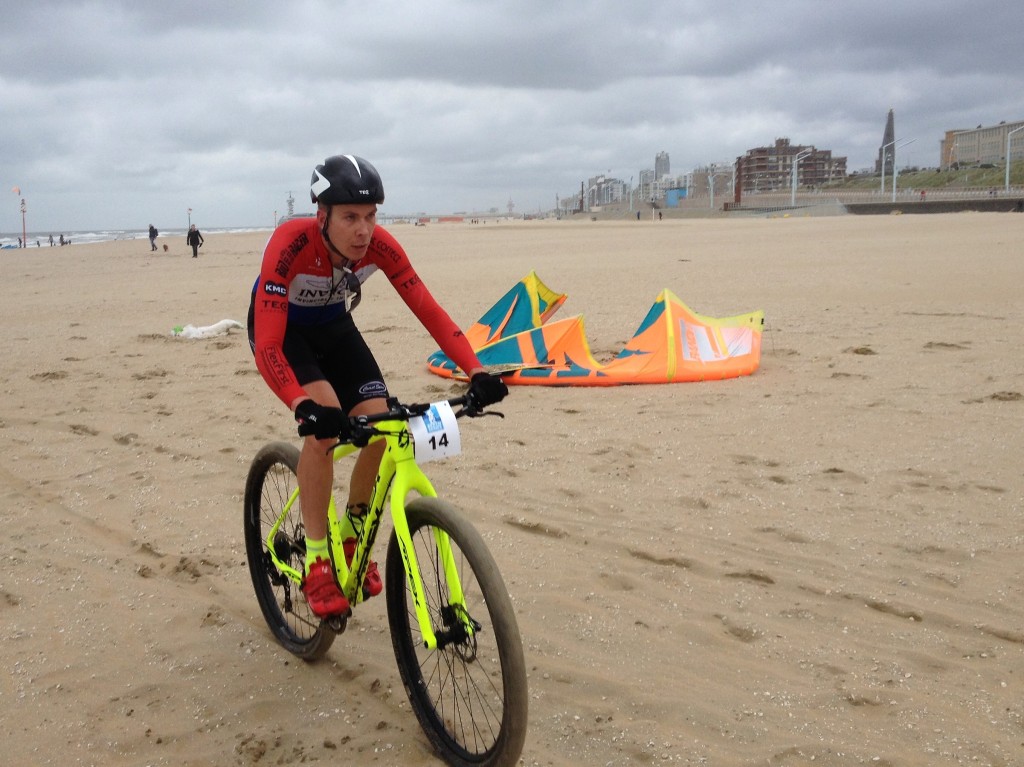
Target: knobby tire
<point x="470" y="697"/>
<point x="270" y="483"/>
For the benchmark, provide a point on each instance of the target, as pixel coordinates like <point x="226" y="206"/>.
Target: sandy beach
<point x="819" y="564"/>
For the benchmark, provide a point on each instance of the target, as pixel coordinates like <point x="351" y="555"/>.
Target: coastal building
<point x="601" y="190"/>
<point x="661" y="166"/>
<point x="984" y="145"/>
<point x="652" y="183"/>
<point x="646" y="189"/>
<point x="770" y="168"/>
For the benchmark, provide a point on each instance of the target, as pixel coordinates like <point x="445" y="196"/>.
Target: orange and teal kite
<point x="673" y="344"/>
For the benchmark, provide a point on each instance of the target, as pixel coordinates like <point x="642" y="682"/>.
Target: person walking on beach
<point x="195" y="239"/>
<point x="313" y="357"/>
<point x="152" y="237"/>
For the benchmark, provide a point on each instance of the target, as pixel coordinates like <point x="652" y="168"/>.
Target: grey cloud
<point x="158" y="106"/>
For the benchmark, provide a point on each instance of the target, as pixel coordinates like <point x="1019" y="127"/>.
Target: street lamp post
<point x="796" y="166"/>
<point x="895" y="171"/>
<point x="24" y="233"/>
<point x="893" y="155"/>
<point x="190" y="218"/>
<point x="1015" y="130"/>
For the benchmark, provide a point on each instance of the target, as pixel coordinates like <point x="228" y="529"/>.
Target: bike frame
<point x="397" y="476"/>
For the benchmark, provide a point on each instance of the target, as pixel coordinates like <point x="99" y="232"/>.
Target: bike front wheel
<point x="271" y="482"/>
<point x="470" y="694"/>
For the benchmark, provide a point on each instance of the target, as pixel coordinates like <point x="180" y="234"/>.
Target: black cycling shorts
<point x="334" y="352"/>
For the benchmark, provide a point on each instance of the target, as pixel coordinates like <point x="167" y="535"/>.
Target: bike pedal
<point x="337" y="623"/>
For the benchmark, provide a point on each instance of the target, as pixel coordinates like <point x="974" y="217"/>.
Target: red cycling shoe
<point x="321" y="591"/>
<point x="372" y="583"/>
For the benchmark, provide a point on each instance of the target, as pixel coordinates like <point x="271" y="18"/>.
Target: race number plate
<point x="436" y="433"/>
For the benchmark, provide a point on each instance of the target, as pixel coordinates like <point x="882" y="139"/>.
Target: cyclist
<point x="311" y="354"/>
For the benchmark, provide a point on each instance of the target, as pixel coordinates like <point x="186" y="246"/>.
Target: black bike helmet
<point x="345" y="180"/>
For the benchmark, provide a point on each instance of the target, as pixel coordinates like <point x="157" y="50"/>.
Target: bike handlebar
<point x="362" y="426"/>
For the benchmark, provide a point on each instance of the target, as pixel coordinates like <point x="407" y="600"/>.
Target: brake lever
<point x="475" y="413"/>
<point x="360" y="436"/>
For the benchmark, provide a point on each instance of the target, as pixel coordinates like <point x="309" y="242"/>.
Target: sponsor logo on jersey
<point x="387" y="251"/>
<point x="373" y="389"/>
<point x="276" y="367"/>
<point x="287" y="255"/>
<point x="314" y="290"/>
<point x="275" y="289"/>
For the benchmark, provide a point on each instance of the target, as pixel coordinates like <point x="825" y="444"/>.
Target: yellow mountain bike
<point x="453" y="628"/>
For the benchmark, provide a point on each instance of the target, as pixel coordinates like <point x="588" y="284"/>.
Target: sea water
<point x="81" y="237"/>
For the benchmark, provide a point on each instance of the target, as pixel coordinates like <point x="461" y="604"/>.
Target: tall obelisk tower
<point x="888" y="139"/>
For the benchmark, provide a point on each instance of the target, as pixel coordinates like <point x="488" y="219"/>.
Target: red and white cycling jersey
<point x="299" y="284"/>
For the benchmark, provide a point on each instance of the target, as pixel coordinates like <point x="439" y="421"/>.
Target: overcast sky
<point x="118" y="114"/>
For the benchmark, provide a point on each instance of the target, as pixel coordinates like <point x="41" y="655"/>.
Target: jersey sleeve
<point x="394" y="262"/>
<point x="270" y="313"/>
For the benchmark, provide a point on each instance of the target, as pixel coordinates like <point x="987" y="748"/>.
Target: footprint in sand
<point x="646" y="556"/>
<point x="787" y="535"/>
<point x="1006" y="396"/>
<point x="743" y="633"/>
<point x="537" y="528"/>
<point x="753" y="576"/>
<point x="50" y="375"/>
<point x="154" y="373"/>
<point x="999" y="396"/>
<point x="214" y="617"/>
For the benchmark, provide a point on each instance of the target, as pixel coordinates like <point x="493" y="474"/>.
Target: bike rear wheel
<point x="268" y="487"/>
<point x="470" y="696"/>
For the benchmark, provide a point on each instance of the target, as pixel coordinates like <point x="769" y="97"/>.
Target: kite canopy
<point x="673" y="344"/>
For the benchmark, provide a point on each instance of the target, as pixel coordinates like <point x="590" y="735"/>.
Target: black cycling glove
<point x="322" y="422"/>
<point x="486" y="389"/>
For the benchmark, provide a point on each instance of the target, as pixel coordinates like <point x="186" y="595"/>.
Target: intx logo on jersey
<point x="275" y="289"/>
<point x="314" y="290"/>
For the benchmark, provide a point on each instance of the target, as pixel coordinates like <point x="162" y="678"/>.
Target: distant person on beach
<point x="153" y="233"/>
<point x="62" y="241"/>
<point x="51" y="240"/>
<point x="195" y="239"/>
<point x="313" y="357"/>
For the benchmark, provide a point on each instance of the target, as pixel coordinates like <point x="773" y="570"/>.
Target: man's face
<point x="350" y="228"/>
